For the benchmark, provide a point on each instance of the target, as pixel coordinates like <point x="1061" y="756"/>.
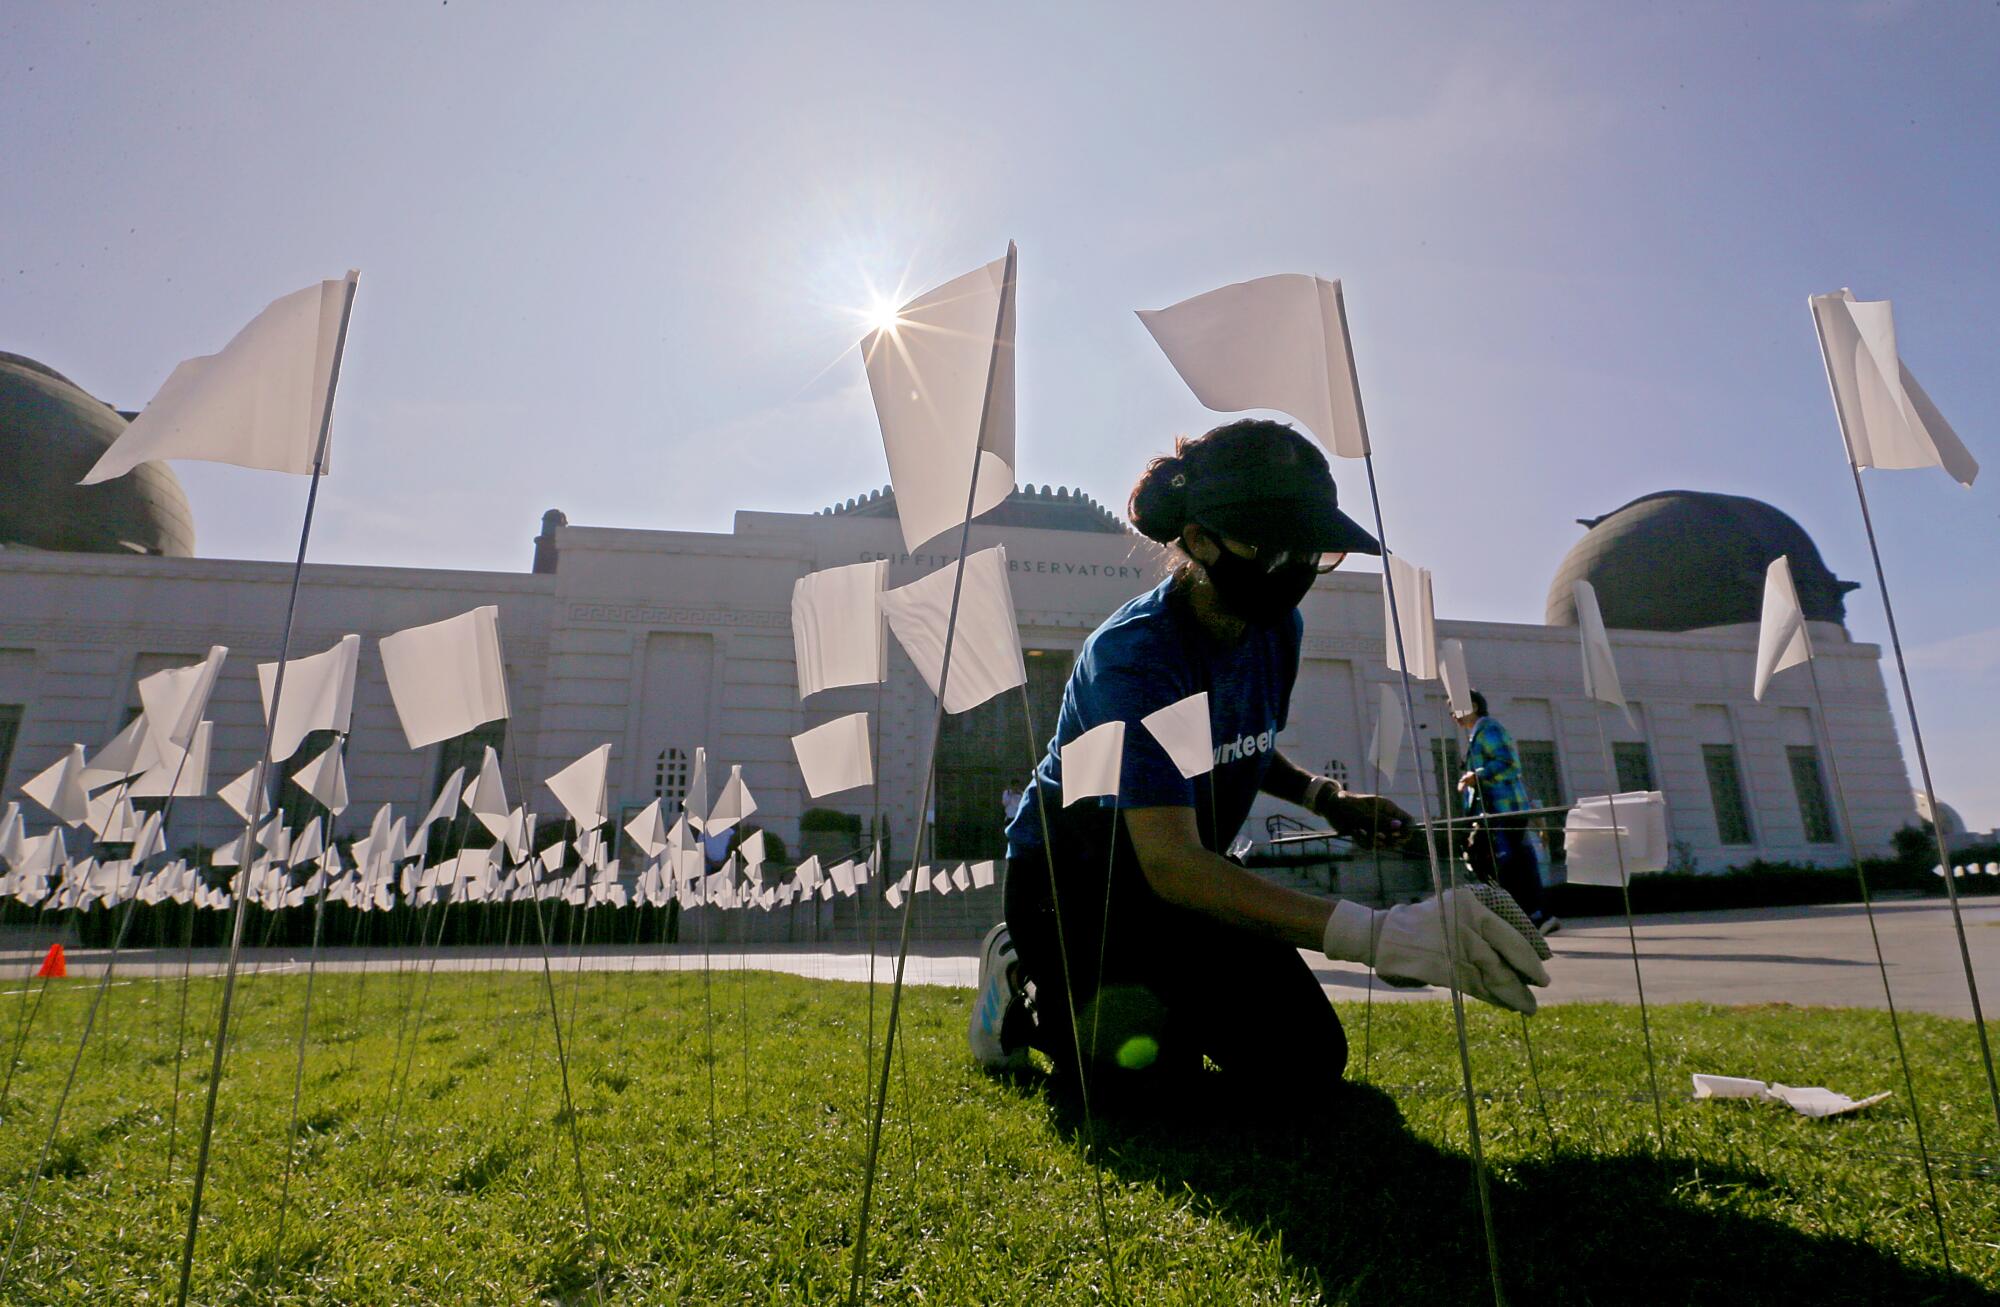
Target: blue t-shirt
<point x="1154" y="652"/>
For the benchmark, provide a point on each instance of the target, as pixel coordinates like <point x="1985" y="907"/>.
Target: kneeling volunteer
<point x="1185" y="954"/>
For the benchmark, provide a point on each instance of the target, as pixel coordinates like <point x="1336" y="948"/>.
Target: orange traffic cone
<point x="54" y="966"/>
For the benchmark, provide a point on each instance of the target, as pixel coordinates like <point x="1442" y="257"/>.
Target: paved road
<point x="1817" y="956"/>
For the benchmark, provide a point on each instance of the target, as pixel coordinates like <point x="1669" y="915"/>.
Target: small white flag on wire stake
<point x="1282" y="343"/>
<point x="1888" y="421"/>
<point x="1601" y="686"/>
<point x="1784" y="642"/>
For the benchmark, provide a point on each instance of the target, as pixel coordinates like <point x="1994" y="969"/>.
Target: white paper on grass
<point x="1093" y="762"/>
<point x="961" y="877"/>
<point x="1781" y="635"/>
<point x="179" y="773"/>
<point x="1392" y="725"/>
<point x="1417" y="614"/>
<point x="1274" y="343"/>
<point x="752" y="853"/>
<point x="731" y="806"/>
<point x="986" y="644"/>
<point x="59" y="787"/>
<point x="580" y="787"/>
<point x="1885" y="416"/>
<point x="837" y="636"/>
<point x="447" y="678"/>
<point x="319" y="695"/>
<point x="261" y="402"/>
<point x="943" y="384"/>
<point x="835" y="757"/>
<point x="1600" y="670"/>
<point x="1813" y="1101"/>
<point x="325" y="778"/>
<point x="1183" y="731"/>
<point x="982" y="874"/>
<point x="1593" y="840"/>
<point x="1457" y="681"/>
<point x="175" y="700"/>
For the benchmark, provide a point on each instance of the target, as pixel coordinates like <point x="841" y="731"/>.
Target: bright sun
<point x="880" y="315"/>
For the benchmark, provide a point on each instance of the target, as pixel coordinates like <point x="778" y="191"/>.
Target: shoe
<point x="998" y="1006"/>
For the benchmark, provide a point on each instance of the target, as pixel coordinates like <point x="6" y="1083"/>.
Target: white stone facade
<point x="659" y="640"/>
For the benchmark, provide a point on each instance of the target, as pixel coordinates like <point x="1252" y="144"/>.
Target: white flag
<point x="1183" y="731"/>
<point x="580" y="787"/>
<point x="130" y="752"/>
<point x="1885" y="416"/>
<point x="176" y="699"/>
<point x="447" y="678"/>
<point x="263" y="402"/>
<point x="238" y="795"/>
<point x="835" y="757"/>
<point x="986" y="646"/>
<point x="1275" y="343"/>
<point x="59" y="787"/>
<point x="1093" y="762"/>
<point x="1781" y="637"/>
<point x="1600" y="671"/>
<point x="734" y="804"/>
<point x="648" y="830"/>
<point x="1385" y="746"/>
<point x="486" y="798"/>
<point x="1594" y="841"/>
<point x="1457" y="681"/>
<point x="1417" y="616"/>
<point x="943" y="382"/>
<point x="181" y="773"/>
<point x="319" y="695"/>
<point x="837" y="627"/>
<point x="325" y="778"/>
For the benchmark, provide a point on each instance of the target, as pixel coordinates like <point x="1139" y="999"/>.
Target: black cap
<point x="1295" y="508"/>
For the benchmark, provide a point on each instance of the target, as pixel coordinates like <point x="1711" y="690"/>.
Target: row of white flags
<point x="942" y="378"/>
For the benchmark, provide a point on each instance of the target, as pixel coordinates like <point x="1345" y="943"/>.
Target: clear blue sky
<point x="610" y="255"/>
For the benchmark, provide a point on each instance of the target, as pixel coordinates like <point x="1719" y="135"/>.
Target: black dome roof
<point x="1679" y="560"/>
<point x="51" y="432"/>
<point x="1060" y="509"/>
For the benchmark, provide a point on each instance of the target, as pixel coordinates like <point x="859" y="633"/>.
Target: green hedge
<point x="1766" y="885"/>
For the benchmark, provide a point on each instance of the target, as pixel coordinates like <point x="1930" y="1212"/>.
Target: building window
<point x="10" y="730"/>
<point x="984" y="752"/>
<point x="1725" y="792"/>
<point x="1810" y="785"/>
<point x="1634" y="764"/>
<point x="1542" y="774"/>
<point x="1447" y="765"/>
<point x="671" y="773"/>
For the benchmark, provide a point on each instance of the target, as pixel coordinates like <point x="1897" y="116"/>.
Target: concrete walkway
<point x="1814" y="956"/>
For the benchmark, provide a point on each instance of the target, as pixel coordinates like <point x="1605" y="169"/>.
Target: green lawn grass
<point x="1348" y="1194"/>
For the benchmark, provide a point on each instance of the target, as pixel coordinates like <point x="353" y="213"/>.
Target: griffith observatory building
<point x="660" y="641"/>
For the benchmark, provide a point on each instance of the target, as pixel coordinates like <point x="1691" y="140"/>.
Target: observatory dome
<point x="1679" y="560"/>
<point x="51" y="432"/>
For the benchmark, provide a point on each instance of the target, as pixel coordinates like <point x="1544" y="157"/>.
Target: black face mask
<point x="1255" y="595"/>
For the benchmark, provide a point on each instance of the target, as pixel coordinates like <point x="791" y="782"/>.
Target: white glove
<point x="1496" y="963"/>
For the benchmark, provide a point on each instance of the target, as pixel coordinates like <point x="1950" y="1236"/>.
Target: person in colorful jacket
<point x="1492" y="785"/>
